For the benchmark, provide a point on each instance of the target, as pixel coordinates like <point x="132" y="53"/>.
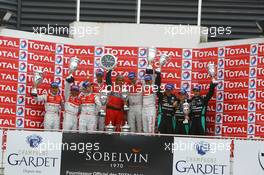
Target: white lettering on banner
<point x="260" y="71"/>
<point x="6" y="122"/>
<point x="41" y="47"/>
<point x="4" y="42"/>
<point x="40" y="91"/>
<point x="33" y="124"/>
<point x="231" y="85"/>
<point x="6" y="65"/>
<point x="34" y="68"/>
<point x="211" y="108"/>
<point x="172" y="65"/>
<point x="5" y="99"/>
<point x="168" y="75"/>
<point x="259" y="105"/>
<point x="126" y="63"/>
<point x="236" y="96"/>
<point x="42" y="58"/>
<point x="232" y="74"/>
<point x="206" y="53"/>
<point x="8" y="88"/>
<point x="86" y="62"/>
<point x="120" y="52"/>
<point x="4" y="110"/>
<point x="78" y="51"/>
<point x="261" y="60"/>
<point x="32" y="101"/>
<point x="169" y="53"/>
<point x="200" y="65"/>
<point x="198" y="75"/>
<point x="261" y="48"/>
<point x="234" y="107"/>
<point x="234" y="118"/>
<point x="259" y="117"/>
<point x="82" y="73"/>
<point x="232" y="62"/>
<point x="236" y="51"/>
<point x="5" y="76"/>
<point x="234" y="130"/>
<point x="31" y="112"/>
<point x="8" y="54"/>
<point x="259" y="128"/>
<point x="47" y="80"/>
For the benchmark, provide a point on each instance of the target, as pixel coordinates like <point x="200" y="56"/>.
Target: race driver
<point x="72" y="105"/>
<point x="52" y="102"/>
<point x="198" y="107"/>
<point x="115" y="103"/>
<point x="89" y="103"/>
<point x="135" y="103"/>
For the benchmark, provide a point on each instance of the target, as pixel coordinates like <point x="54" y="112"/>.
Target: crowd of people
<point x="146" y="105"/>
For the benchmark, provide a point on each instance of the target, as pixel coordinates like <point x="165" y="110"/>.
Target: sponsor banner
<point x="259" y="129"/>
<point x="248" y="162"/>
<point x="118" y="51"/>
<point x="7" y="121"/>
<point x="116" y="154"/>
<point x="79" y="51"/>
<point x="211" y="53"/>
<point x="9" y="64"/>
<point x="242" y="61"/>
<point x="237" y="51"/>
<point x="37" y="153"/>
<point x="173" y="53"/>
<point x="33" y="122"/>
<point x="36" y="56"/>
<point x="210" y="129"/>
<point x="8" y="109"/>
<point x="234" y="117"/>
<point x="9" y="53"/>
<point x="9" y="42"/>
<point x="201" y="156"/>
<point x="234" y="129"/>
<point x="40" y="46"/>
<point x="260" y="49"/>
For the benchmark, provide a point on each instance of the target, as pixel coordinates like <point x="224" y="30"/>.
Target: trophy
<point x="110" y="127"/>
<point x="126" y="128"/>
<point x="212" y="72"/>
<point x="74" y="62"/>
<point x="152" y="51"/>
<point x="103" y="100"/>
<point x="163" y="59"/>
<point x="108" y="62"/>
<point x="37" y="79"/>
<point x="186" y="111"/>
<point x="124" y="94"/>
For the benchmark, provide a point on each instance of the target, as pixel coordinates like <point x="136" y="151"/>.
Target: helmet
<point x="147" y="77"/>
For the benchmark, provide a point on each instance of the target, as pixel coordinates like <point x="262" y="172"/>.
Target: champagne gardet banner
<point x="236" y="109"/>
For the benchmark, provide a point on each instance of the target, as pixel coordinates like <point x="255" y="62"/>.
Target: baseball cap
<point x="147" y="77"/>
<point x="169" y="86"/>
<point x="54" y="85"/>
<point x="131" y="75"/>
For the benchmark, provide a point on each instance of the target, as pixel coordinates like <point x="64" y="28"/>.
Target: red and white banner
<point x="236" y="109"/>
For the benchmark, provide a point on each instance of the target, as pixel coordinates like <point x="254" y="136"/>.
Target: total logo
<point x="218" y="129"/>
<point x="58" y="70"/>
<point x="23" y="54"/>
<point x="252" y="95"/>
<point x="252" y="83"/>
<point x="187" y="53"/>
<point x="23" y="44"/>
<point x="253" y="49"/>
<point x="186" y="85"/>
<point x="251" y="117"/>
<point x="21" y="89"/>
<point x="20" y="100"/>
<point x="218" y="118"/>
<point x="20" y="122"/>
<point x="219" y="107"/>
<point x="59" y="48"/>
<point x="20" y="111"/>
<point x="252" y="106"/>
<point x="143" y="52"/>
<point x="251" y="129"/>
<point x="142" y="63"/>
<point x="97" y="62"/>
<point x="253" y="60"/>
<point x="141" y="73"/>
<point x="186" y="75"/>
<point x="220" y="96"/>
<point x="220" y="74"/>
<point x="59" y="59"/>
<point x="253" y="72"/>
<point x="22" y="77"/>
<point x="99" y="51"/>
<point x="221" y="63"/>
<point x="58" y="80"/>
<point x="221" y="52"/>
<point x="22" y="66"/>
<point x="220" y="85"/>
<point x="187" y="64"/>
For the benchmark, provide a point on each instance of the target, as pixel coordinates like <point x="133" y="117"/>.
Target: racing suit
<point x="180" y="127"/>
<point x="88" y="117"/>
<point x="97" y="87"/>
<point x="149" y="107"/>
<point x="72" y="105"/>
<point x="114" y="106"/>
<point x="135" y="107"/>
<point x="52" y="109"/>
<point x="198" y="111"/>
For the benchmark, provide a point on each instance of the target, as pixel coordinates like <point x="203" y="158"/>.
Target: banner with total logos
<point x="236" y="109"/>
<point x="248" y="157"/>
